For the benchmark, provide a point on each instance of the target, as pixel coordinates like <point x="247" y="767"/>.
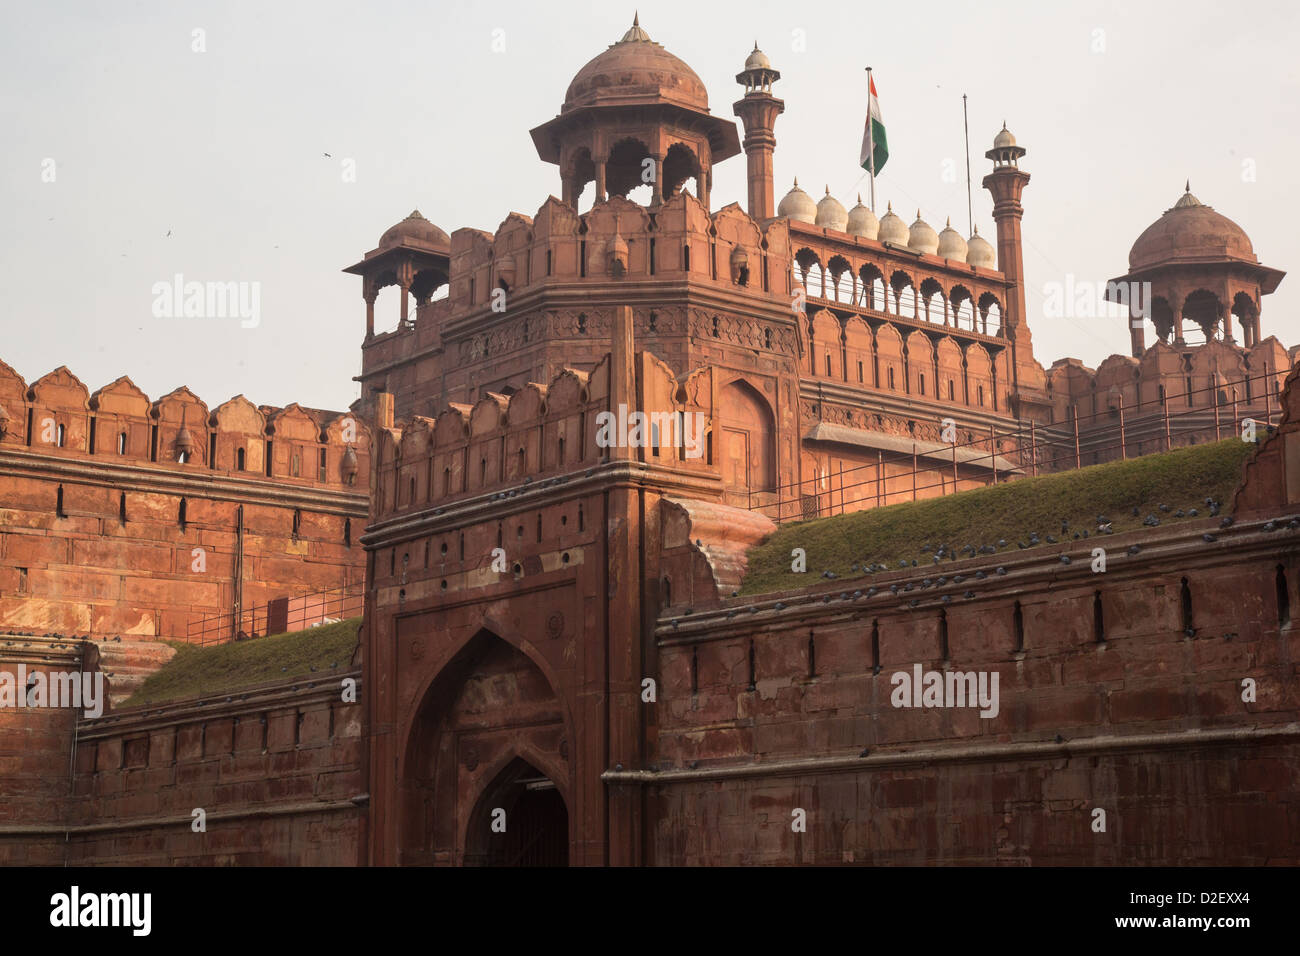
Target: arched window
<point x="239" y="459"/>
<point x="121" y="443"/>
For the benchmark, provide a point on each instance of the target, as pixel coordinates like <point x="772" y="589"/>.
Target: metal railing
<point x="279" y="615"/>
<point x="1057" y="447"/>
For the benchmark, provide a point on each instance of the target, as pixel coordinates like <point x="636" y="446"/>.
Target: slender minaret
<point x="758" y="110"/>
<point x="1006" y="183"/>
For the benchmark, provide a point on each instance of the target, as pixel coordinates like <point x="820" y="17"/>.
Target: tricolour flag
<point x="874" y="146"/>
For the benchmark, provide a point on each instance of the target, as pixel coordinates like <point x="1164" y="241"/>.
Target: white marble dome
<point x="797" y="205"/>
<point x="980" y="252"/>
<point x="863" y="222"/>
<point x="831" y="213"/>
<point x="892" y="228"/>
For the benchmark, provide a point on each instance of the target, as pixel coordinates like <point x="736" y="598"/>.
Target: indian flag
<point x="874" y="146"/>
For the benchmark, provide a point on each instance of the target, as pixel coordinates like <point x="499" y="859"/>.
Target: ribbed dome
<point x="892" y="228"/>
<point x="831" y="213"/>
<point x="1190" y="232"/>
<point x="1004" y="138"/>
<point x="636" y="69"/>
<point x="757" y="60"/>
<point x="797" y="205"/>
<point x="980" y="252"/>
<point x="951" y="244"/>
<point x="414" y="227"/>
<point x="922" y="237"/>
<point x="862" y="222"/>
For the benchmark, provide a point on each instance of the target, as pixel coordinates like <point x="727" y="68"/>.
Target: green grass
<point x="223" y="668"/>
<point x="1181" y="479"/>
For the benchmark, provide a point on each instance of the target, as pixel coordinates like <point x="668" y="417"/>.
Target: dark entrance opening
<point x="520" y="820"/>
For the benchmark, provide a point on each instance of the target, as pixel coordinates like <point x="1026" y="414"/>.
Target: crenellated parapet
<point x="57" y="415"/>
<point x="547" y="432"/>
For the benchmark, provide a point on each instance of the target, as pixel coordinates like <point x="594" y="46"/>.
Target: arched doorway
<point x="748" y="459"/>
<point x="490" y="733"/>
<point x="520" y="820"/>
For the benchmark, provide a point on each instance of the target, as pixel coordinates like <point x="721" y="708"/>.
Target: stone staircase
<point x="128" y="661"/>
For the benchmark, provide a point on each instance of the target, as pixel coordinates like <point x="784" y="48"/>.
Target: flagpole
<point x="970" y="215"/>
<point x="871" y="146"/>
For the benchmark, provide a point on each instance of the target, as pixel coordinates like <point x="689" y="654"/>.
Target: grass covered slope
<point x="223" y="668"/>
<point x="1009" y="512"/>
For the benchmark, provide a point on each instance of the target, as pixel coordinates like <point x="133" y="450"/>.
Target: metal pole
<point x="1214" y="397"/>
<point x="1164" y="405"/>
<point x="970" y="215"/>
<point x="1236" y="422"/>
<point x="1075" y="418"/>
<point x="1268" y="393"/>
<point x="993" y="453"/>
<point x="871" y="143"/>
<point x="954" y="465"/>
<point x="1033" y="450"/>
<point x="913" y="471"/>
<point x="1123" y="436"/>
<point x="880" y="475"/>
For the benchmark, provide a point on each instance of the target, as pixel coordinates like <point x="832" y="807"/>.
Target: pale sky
<point x="1116" y="103"/>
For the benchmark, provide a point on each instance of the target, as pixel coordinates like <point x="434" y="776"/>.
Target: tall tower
<point x="1006" y="183"/>
<point x="758" y="110"/>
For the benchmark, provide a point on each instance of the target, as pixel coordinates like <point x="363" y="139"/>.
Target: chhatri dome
<point x="414" y="227"/>
<point x="1190" y="232"/>
<point x="635" y="69"/>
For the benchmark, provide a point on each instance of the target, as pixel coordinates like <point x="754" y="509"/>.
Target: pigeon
<point x="1104" y="528"/>
<point x="1164" y="507"/>
<point x="925" y="583"/>
<point x="858" y="594"/>
<point x="865" y="752"/>
<point x="1001" y="570"/>
<point x="1102" y="519"/>
<point x="1065" y="559"/>
<point x="1270" y="525"/>
<point x="1208" y="538"/>
<point x="968" y="595"/>
<point x="1051" y="540"/>
<point x="981" y="575"/>
<point x="1192" y="513"/>
<point x="1151" y="521"/>
<point x="1002" y="542"/>
<point x="779" y="606"/>
<point x="913" y="603"/>
<point x="1134" y="549"/>
<point x="1226" y="522"/>
<point x="947" y="599"/>
<point x="871" y="592"/>
<point x="1178" y="513"/>
<point x="1190" y="631"/>
<point x="1135" y="512"/>
<point x="956" y="579"/>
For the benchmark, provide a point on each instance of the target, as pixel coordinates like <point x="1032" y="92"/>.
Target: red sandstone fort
<point x="556" y="627"/>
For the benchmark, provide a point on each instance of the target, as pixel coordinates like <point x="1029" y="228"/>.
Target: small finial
<point x="755" y="45"/>
<point x="1004" y="124"/>
<point x="889" y="208"/>
<point x="1188" y="186"/>
<point x="796" y="182"/>
<point x="918" y="214"/>
<point x="828" y="189"/>
<point x="636" y="18"/>
<point x="977" y="230"/>
<point x="859" y="199"/>
<point x="948" y="224"/>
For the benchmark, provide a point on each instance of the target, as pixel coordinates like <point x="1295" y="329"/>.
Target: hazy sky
<point x="1117" y="104"/>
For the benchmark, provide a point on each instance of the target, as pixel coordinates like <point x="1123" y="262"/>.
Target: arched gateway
<point x="485" y="778"/>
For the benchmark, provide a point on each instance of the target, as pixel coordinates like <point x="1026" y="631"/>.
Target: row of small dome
<point x="861" y="221"/>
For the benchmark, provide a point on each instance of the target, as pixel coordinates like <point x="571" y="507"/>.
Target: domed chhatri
<point x="1004" y="139"/>
<point x="951" y="244"/>
<point x="980" y="252"/>
<point x="831" y="213"/>
<point x="414" y="228"/>
<point x="863" y="222"/>
<point x="921" y="237"/>
<point x="636" y="69"/>
<point x="1191" y="232"/>
<point x="797" y="205"/>
<point x="757" y="60"/>
<point x="892" y="228"/>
